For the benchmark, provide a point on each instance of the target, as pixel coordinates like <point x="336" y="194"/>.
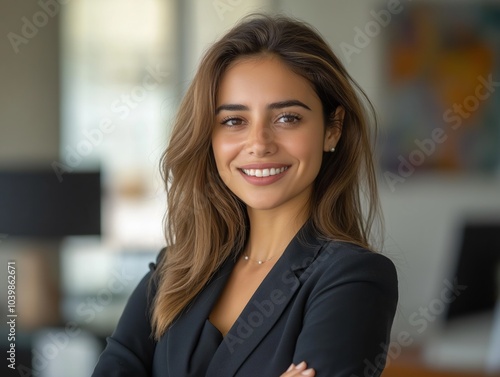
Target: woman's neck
<point x="271" y="231"/>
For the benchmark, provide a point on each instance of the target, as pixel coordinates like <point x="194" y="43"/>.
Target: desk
<point x="410" y="364"/>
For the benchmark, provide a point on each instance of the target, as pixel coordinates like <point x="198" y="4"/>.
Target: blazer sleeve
<point x="130" y="349"/>
<point x="348" y="317"/>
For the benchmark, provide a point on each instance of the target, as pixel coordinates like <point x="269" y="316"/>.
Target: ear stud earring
<point x="332" y="149"/>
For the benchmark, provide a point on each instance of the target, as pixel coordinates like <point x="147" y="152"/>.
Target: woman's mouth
<point x="263" y="175"/>
<point x="264" y="172"/>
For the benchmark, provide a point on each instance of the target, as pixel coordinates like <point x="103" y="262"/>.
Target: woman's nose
<point x="261" y="140"/>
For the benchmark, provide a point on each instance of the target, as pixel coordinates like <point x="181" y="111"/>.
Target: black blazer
<point x="329" y="303"/>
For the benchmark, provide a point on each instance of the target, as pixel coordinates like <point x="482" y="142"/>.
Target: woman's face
<point x="269" y="134"/>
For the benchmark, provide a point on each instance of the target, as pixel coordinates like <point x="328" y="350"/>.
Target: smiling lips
<point x="264" y="172"/>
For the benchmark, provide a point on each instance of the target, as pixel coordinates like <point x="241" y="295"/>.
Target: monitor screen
<point x="478" y="269"/>
<point x="37" y="204"/>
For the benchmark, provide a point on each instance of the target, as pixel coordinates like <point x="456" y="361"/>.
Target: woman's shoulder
<point x="344" y="262"/>
<point x="153" y="276"/>
<point x="159" y="258"/>
<point x="351" y="251"/>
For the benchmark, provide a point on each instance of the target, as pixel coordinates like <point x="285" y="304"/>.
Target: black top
<point x="329" y="303"/>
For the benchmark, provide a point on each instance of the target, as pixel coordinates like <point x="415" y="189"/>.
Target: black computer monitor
<point x="34" y="203"/>
<point x="477" y="268"/>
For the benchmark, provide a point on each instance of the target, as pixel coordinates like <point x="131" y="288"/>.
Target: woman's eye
<point x="288" y="118"/>
<point x="232" y="122"/>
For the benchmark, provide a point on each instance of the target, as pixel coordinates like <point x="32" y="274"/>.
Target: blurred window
<point x="118" y="62"/>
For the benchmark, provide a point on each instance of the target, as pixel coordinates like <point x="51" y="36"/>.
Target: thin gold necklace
<point x="259" y="261"/>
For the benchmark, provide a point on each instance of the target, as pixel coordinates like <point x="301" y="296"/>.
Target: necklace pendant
<point x="260" y="262"/>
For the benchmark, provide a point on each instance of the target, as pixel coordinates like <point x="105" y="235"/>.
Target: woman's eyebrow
<point x="271" y="106"/>
<point x="231" y="107"/>
<point x="289" y="103"/>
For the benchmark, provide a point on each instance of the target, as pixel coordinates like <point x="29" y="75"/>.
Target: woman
<point x="269" y="270"/>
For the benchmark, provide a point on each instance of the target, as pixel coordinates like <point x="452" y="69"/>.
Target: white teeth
<point x="264" y="172"/>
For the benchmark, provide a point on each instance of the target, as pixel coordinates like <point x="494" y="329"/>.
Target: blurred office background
<point x="91" y="87"/>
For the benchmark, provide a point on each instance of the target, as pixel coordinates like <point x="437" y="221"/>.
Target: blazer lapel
<point x="267" y="304"/>
<point x="184" y="333"/>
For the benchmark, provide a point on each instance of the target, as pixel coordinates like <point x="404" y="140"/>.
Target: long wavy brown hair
<point x="206" y="223"/>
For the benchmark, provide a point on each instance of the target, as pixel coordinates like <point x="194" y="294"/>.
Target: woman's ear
<point x="334" y="129"/>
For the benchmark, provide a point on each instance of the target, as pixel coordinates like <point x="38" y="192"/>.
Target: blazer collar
<point x="184" y="334"/>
